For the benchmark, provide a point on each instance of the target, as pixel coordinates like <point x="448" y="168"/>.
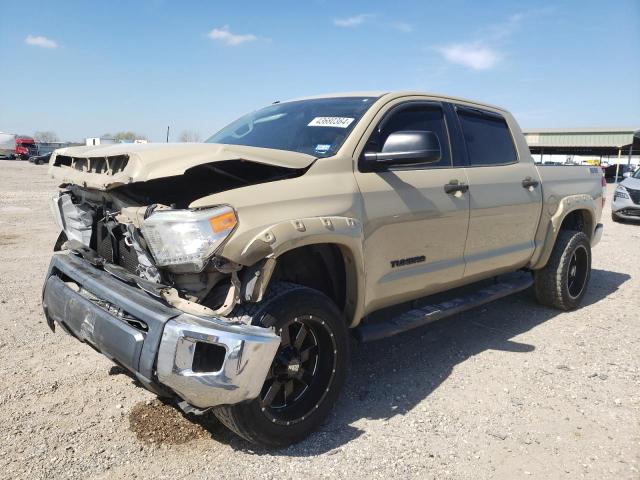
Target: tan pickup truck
<point x="227" y="275"/>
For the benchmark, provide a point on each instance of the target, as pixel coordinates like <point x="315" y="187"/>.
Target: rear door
<point x="414" y="230"/>
<point x="505" y="195"/>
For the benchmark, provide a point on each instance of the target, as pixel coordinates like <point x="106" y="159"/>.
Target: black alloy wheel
<point x="563" y="281"/>
<point x="301" y="372"/>
<point x="577" y="271"/>
<point x="307" y="373"/>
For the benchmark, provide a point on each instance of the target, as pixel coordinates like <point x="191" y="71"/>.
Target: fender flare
<point x="344" y="232"/>
<point x="552" y="219"/>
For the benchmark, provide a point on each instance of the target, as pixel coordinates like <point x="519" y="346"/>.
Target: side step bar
<point x="430" y="313"/>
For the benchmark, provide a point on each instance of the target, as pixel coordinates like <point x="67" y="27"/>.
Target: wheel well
<point x="320" y="266"/>
<point x="579" y="220"/>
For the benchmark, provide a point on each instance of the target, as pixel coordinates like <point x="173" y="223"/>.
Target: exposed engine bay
<point x="147" y="230"/>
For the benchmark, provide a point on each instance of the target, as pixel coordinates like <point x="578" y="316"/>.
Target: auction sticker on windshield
<point x="337" y="122"/>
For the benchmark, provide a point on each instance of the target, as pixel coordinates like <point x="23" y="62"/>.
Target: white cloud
<point x="472" y="55"/>
<point x="40" y="41"/>
<point x="402" y="26"/>
<point x="484" y="53"/>
<point x="225" y="36"/>
<point x="371" y="19"/>
<point x="354" y="21"/>
<point x="502" y="30"/>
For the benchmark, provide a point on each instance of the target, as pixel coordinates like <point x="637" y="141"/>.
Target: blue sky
<point x="85" y="68"/>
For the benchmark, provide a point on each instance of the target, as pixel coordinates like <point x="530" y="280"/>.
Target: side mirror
<point x="406" y="148"/>
<point x="626" y="174"/>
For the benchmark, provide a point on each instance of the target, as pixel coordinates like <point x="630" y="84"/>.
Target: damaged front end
<point x="138" y="277"/>
<point x="161" y="245"/>
<point x="202" y="360"/>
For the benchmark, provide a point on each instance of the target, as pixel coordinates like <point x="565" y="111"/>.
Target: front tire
<point x="563" y="281"/>
<point x="307" y="373"/>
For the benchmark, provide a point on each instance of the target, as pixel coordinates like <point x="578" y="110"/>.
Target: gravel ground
<point x="511" y="390"/>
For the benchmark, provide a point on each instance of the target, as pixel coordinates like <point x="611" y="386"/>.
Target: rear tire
<point x="563" y="281"/>
<point x="307" y="373"/>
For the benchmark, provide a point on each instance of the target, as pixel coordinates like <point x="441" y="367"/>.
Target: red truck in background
<point x="17" y="146"/>
<point x="25" y="147"/>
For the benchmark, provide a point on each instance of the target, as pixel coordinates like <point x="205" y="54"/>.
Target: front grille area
<point x="108" y="165"/>
<point x="127" y="257"/>
<point x="122" y="254"/>
<point x="629" y="212"/>
<point x="103" y="243"/>
<point x="635" y="195"/>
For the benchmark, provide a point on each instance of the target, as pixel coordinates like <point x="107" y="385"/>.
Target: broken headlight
<point x="187" y="238"/>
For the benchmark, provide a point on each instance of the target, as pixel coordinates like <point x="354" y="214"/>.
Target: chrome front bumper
<point x="157" y="342"/>
<point x="249" y="352"/>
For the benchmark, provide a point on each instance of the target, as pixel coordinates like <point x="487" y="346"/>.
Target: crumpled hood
<point x="104" y="167"/>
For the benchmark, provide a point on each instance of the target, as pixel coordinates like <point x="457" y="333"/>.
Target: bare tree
<point x="127" y="136"/>
<point x="189" y="136"/>
<point x="45" y="137"/>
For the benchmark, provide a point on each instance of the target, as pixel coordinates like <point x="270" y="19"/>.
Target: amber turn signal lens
<point x="226" y="221"/>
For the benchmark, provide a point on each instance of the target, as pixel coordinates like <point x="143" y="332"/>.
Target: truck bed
<point x="562" y="181"/>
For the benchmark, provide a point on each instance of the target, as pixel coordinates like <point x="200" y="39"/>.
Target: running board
<point x="430" y="313"/>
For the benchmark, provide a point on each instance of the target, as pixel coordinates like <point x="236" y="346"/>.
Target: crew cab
<point x="227" y="275"/>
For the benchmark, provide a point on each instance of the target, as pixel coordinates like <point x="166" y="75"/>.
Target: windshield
<point x="637" y="173"/>
<point x="317" y="127"/>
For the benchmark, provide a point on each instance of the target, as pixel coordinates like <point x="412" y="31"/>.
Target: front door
<point x="414" y="230"/>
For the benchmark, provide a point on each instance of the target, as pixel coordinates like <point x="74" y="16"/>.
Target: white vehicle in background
<point x="7" y="145"/>
<point x="626" y="198"/>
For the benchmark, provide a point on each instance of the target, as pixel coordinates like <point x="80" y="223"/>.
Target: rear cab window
<point x="487" y="137"/>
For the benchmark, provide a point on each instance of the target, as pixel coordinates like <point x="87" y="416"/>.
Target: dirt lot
<point x="512" y="390"/>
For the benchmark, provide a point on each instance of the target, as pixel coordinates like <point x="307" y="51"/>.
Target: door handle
<point x="455" y="186"/>
<point x="530" y="182"/>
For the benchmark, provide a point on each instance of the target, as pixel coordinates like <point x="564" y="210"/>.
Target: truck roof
<point x="396" y="94"/>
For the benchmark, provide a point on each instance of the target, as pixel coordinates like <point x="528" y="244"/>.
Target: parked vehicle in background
<point x="40" y="159"/>
<point x="626" y="198"/>
<point x="7" y="145"/>
<point x="621" y="169"/>
<point x="17" y="146"/>
<point x="227" y="275"/>
<point x="25" y="147"/>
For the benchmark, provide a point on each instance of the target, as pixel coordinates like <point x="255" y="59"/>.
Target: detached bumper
<point x="206" y="361"/>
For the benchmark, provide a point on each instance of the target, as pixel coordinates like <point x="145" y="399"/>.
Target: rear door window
<point x="487" y="137"/>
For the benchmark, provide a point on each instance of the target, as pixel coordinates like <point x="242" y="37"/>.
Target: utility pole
<point x="167" y="133"/>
